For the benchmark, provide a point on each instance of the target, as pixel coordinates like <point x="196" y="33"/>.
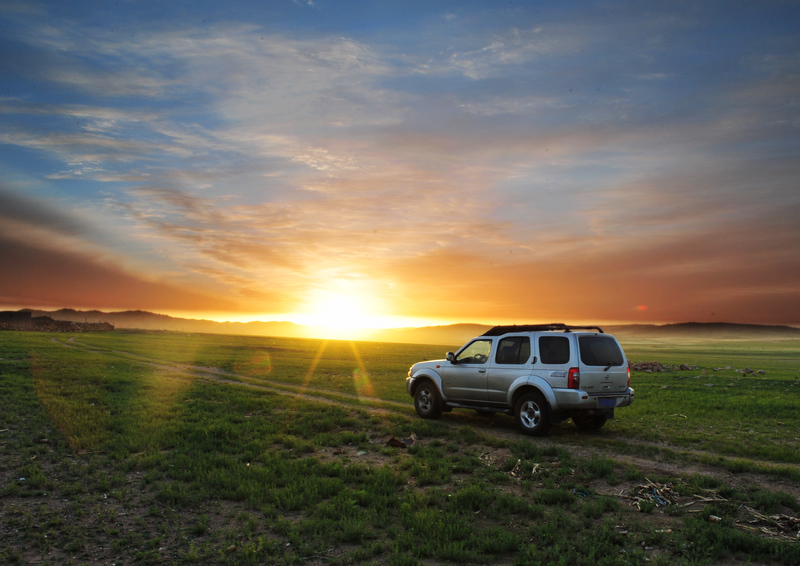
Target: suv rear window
<point x="554" y="350"/>
<point x="600" y="351"/>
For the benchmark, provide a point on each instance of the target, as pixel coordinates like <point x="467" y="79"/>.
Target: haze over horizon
<point x="402" y="163"/>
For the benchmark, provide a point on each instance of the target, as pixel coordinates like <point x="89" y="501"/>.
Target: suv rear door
<point x="603" y="367"/>
<point x="510" y="362"/>
<point x="554" y="356"/>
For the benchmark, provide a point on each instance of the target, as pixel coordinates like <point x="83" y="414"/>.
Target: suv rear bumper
<point x="575" y="399"/>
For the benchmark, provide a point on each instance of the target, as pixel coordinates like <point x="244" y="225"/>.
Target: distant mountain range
<point x="143" y="320"/>
<point x="706" y="329"/>
<point x="453" y="334"/>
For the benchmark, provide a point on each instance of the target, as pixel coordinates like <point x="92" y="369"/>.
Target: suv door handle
<point x="482" y="370"/>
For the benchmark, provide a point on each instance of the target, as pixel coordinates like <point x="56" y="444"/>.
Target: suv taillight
<point x="629" y="377"/>
<point x="574" y="379"/>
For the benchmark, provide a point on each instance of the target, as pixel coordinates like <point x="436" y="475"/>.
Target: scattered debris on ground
<point x="656" y="367"/>
<point x="782" y="527"/>
<point x="648" y="496"/>
<point x="651" y="493"/>
<point x="395" y="442"/>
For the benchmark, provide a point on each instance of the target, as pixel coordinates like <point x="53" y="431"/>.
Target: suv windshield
<point x="475" y="353"/>
<point x="600" y="351"/>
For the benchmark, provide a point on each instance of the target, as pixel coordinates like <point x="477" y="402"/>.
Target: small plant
<point x="554" y="497"/>
<point x="646" y="506"/>
<point x="600" y="468"/>
<point x="201" y="527"/>
<point x="596" y="508"/>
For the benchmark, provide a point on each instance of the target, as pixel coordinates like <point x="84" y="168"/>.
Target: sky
<point x="399" y="163"/>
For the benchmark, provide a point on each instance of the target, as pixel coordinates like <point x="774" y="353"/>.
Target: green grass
<point x="738" y="417"/>
<point x="352" y="368"/>
<point x="165" y="448"/>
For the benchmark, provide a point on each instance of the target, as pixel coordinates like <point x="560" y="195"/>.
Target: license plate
<point x="606" y="402"/>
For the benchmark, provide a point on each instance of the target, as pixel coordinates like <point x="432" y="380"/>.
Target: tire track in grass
<point x="678" y="462"/>
<point x="222" y="376"/>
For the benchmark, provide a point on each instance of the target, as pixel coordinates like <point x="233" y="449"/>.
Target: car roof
<point x="557" y="326"/>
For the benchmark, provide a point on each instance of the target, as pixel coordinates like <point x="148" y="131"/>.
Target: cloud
<point x="256" y="163"/>
<point x="38" y="276"/>
<point x="726" y="274"/>
<point x="19" y="209"/>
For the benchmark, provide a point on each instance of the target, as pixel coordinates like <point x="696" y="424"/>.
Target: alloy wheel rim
<point x="530" y="414"/>
<point x="425" y="400"/>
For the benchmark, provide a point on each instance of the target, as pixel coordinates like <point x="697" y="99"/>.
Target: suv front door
<point x="466" y="378"/>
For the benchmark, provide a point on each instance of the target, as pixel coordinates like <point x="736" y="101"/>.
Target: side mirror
<point x="451" y="357"/>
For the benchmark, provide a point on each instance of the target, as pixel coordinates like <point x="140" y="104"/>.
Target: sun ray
<point x="361" y="379"/>
<point x="313" y="367"/>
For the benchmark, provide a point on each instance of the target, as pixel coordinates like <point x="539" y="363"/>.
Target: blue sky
<point x="429" y="161"/>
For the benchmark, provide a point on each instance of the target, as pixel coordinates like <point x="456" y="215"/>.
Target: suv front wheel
<point x="531" y="414"/>
<point x="426" y="401"/>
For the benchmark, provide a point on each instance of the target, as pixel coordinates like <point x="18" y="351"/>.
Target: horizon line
<point x="387" y="328"/>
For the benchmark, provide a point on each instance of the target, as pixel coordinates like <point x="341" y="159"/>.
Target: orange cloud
<point x="35" y="276"/>
<point x="723" y="274"/>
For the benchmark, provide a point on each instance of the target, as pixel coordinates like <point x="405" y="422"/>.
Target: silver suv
<point x="542" y="374"/>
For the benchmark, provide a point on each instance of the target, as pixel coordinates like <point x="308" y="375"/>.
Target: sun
<point x="340" y="311"/>
<point x="350" y="310"/>
<point x="344" y="313"/>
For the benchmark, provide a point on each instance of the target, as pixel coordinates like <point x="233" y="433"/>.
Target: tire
<point x="531" y="414"/>
<point x="426" y="401"/>
<point x="590" y="422"/>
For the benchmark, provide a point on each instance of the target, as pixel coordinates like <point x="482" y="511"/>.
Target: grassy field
<point x="167" y="448"/>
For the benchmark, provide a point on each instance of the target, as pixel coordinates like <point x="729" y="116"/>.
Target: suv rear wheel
<point x="531" y="414"/>
<point x="426" y="401"/>
<point x="589" y="422"/>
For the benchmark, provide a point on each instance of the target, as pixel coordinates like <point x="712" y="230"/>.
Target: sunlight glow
<point x="340" y="315"/>
<point x="342" y="308"/>
<point x="340" y="311"/>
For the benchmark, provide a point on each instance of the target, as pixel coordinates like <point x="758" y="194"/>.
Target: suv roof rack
<point x="500" y="330"/>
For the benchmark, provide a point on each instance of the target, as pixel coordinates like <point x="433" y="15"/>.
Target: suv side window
<point x="554" y="350"/>
<point x="476" y="353"/>
<point x="514" y="350"/>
